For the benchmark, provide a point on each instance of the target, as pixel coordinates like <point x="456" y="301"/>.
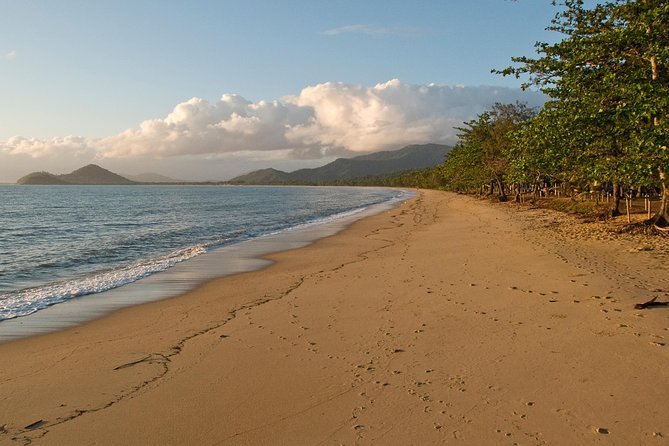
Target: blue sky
<point x="94" y="69"/>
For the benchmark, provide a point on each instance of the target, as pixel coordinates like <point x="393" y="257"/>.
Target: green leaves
<point x="482" y="155"/>
<point x="608" y="79"/>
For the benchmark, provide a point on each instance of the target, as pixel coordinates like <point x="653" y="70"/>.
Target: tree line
<point x="605" y="124"/>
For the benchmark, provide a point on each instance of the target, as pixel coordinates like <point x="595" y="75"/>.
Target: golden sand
<point x="442" y="321"/>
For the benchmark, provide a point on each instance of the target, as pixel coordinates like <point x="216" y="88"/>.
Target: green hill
<point x="380" y="163"/>
<point x="264" y="176"/>
<point x="93" y="174"/>
<point x="90" y="174"/>
<point x="41" y="178"/>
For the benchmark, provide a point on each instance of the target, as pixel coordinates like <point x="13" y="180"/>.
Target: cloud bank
<point x="323" y="120"/>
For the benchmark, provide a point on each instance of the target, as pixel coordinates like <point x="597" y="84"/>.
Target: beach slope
<point x="444" y="320"/>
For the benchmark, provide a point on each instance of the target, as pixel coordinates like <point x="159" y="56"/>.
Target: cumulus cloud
<point x="391" y="114"/>
<point x="373" y="30"/>
<point x="323" y="120"/>
<point x="72" y="146"/>
<point x="196" y="126"/>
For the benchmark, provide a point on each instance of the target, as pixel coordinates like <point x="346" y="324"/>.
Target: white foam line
<point x="219" y="261"/>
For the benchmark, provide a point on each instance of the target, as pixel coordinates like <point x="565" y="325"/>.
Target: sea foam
<point x="27" y="301"/>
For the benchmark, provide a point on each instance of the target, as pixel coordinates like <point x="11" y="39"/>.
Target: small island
<point x="90" y="174"/>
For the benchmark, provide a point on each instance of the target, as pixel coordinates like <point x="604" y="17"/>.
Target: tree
<point x="462" y="171"/>
<point x="645" y="44"/>
<point x="481" y="155"/>
<point x="610" y="74"/>
<point x="541" y="152"/>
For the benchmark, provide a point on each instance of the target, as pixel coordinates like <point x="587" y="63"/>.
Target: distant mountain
<point x="151" y="177"/>
<point x="93" y="174"/>
<point x="41" y="178"/>
<point x="90" y="174"/>
<point x="264" y="176"/>
<point x="380" y="163"/>
<point x="412" y="157"/>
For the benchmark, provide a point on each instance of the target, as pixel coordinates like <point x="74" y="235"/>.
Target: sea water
<point x="58" y="243"/>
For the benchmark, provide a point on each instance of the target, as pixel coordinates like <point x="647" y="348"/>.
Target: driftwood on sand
<point x="651" y="303"/>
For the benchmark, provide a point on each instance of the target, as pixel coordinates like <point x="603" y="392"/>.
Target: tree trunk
<point x="517" y="191"/>
<point x="492" y="188"/>
<point x="615" y="209"/>
<point x="502" y="190"/>
<point x="662" y="216"/>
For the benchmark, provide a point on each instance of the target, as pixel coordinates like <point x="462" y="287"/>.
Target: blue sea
<point x="58" y="243"/>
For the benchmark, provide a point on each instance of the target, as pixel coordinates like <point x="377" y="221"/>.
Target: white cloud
<point x="373" y="30"/>
<point x="324" y="120"/>
<point x="196" y="126"/>
<point x="11" y="55"/>
<point x="70" y="146"/>
<point x="391" y="114"/>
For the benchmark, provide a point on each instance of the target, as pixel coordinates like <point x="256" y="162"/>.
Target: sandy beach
<point x="446" y="320"/>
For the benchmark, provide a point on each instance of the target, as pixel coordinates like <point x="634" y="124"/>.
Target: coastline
<point x="238" y="257"/>
<point x="441" y="320"/>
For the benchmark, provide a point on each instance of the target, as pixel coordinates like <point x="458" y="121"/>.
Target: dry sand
<point x="442" y="321"/>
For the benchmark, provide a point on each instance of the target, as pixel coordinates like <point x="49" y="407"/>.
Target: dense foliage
<point x="430" y="178"/>
<point x="483" y="158"/>
<point x="605" y="126"/>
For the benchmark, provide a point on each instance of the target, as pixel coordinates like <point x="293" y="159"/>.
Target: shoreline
<point x="244" y="256"/>
<point x="441" y="320"/>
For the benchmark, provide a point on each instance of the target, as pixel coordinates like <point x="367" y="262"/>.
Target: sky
<point x="206" y="90"/>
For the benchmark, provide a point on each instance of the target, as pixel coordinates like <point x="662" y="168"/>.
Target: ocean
<point x="62" y="243"/>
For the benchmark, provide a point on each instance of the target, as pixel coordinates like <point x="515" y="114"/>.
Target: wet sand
<point x="224" y="261"/>
<point x="445" y="320"/>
